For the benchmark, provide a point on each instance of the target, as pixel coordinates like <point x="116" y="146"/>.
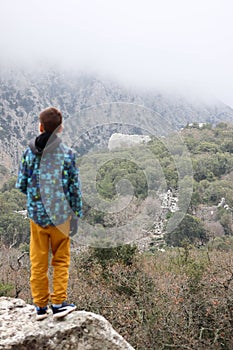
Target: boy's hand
<point x="73" y="225"/>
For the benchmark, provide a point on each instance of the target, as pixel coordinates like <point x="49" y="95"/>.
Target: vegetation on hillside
<point x="152" y="167"/>
<point x="158" y="166"/>
<point x="178" y="298"/>
<point x="14" y="227"/>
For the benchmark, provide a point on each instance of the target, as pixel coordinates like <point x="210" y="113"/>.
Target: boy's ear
<point x="41" y="128"/>
<point x="60" y="128"/>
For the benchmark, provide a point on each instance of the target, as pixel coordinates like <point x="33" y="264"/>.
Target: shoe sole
<point x="64" y="313"/>
<point x="41" y="317"/>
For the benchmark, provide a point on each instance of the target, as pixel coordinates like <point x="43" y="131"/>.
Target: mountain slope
<point x="23" y="95"/>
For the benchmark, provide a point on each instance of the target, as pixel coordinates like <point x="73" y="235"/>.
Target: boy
<point x="50" y="179"/>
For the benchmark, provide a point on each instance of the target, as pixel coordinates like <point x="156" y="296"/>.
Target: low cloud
<point x="162" y="44"/>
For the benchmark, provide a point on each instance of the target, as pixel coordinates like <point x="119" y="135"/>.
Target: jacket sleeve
<point x="22" y="179"/>
<point x="75" y="188"/>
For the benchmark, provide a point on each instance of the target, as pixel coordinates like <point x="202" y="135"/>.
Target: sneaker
<point x="63" y="310"/>
<point x="41" y="313"/>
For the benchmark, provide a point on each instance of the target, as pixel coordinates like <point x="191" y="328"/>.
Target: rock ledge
<point x="80" y="330"/>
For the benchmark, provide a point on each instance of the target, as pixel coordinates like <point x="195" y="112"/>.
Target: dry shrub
<point x="181" y="299"/>
<point x="178" y="299"/>
<point x="15" y="273"/>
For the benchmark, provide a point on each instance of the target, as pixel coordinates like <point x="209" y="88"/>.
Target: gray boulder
<point x="119" y="140"/>
<point x="79" y="330"/>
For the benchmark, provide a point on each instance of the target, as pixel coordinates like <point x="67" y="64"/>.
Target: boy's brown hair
<point x="50" y="119"/>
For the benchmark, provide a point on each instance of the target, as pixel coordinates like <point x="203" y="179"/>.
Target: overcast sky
<point x="179" y="44"/>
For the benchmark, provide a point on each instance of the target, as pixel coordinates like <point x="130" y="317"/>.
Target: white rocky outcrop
<point x="79" y="330"/>
<point x="118" y="140"/>
<point x="169" y="201"/>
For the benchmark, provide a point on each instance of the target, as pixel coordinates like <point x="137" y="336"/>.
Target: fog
<point x="165" y="44"/>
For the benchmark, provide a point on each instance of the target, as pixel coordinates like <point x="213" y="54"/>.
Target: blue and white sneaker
<point x="41" y="313"/>
<point x="63" y="310"/>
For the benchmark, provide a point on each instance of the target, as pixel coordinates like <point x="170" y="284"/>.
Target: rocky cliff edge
<point x="79" y="330"/>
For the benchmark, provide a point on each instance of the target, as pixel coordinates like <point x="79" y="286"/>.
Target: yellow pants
<point x="41" y="240"/>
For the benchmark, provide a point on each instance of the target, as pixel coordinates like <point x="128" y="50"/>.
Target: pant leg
<point x="39" y="249"/>
<point x="60" y="245"/>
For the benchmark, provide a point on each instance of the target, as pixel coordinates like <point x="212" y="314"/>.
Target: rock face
<point x="118" y="140"/>
<point x="80" y="330"/>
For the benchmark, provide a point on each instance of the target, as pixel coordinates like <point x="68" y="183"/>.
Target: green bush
<point x="190" y="229"/>
<point x="224" y="243"/>
<point x="5" y="289"/>
<point x="111" y="255"/>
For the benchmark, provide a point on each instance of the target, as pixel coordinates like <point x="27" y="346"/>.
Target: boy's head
<point x="50" y="120"/>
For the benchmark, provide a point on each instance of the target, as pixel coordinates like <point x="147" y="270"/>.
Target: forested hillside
<point x="210" y="150"/>
<point x="176" y="297"/>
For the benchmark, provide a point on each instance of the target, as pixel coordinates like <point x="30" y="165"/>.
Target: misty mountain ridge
<point x="95" y="101"/>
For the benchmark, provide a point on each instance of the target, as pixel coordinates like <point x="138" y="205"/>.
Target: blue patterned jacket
<point x="48" y="175"/>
